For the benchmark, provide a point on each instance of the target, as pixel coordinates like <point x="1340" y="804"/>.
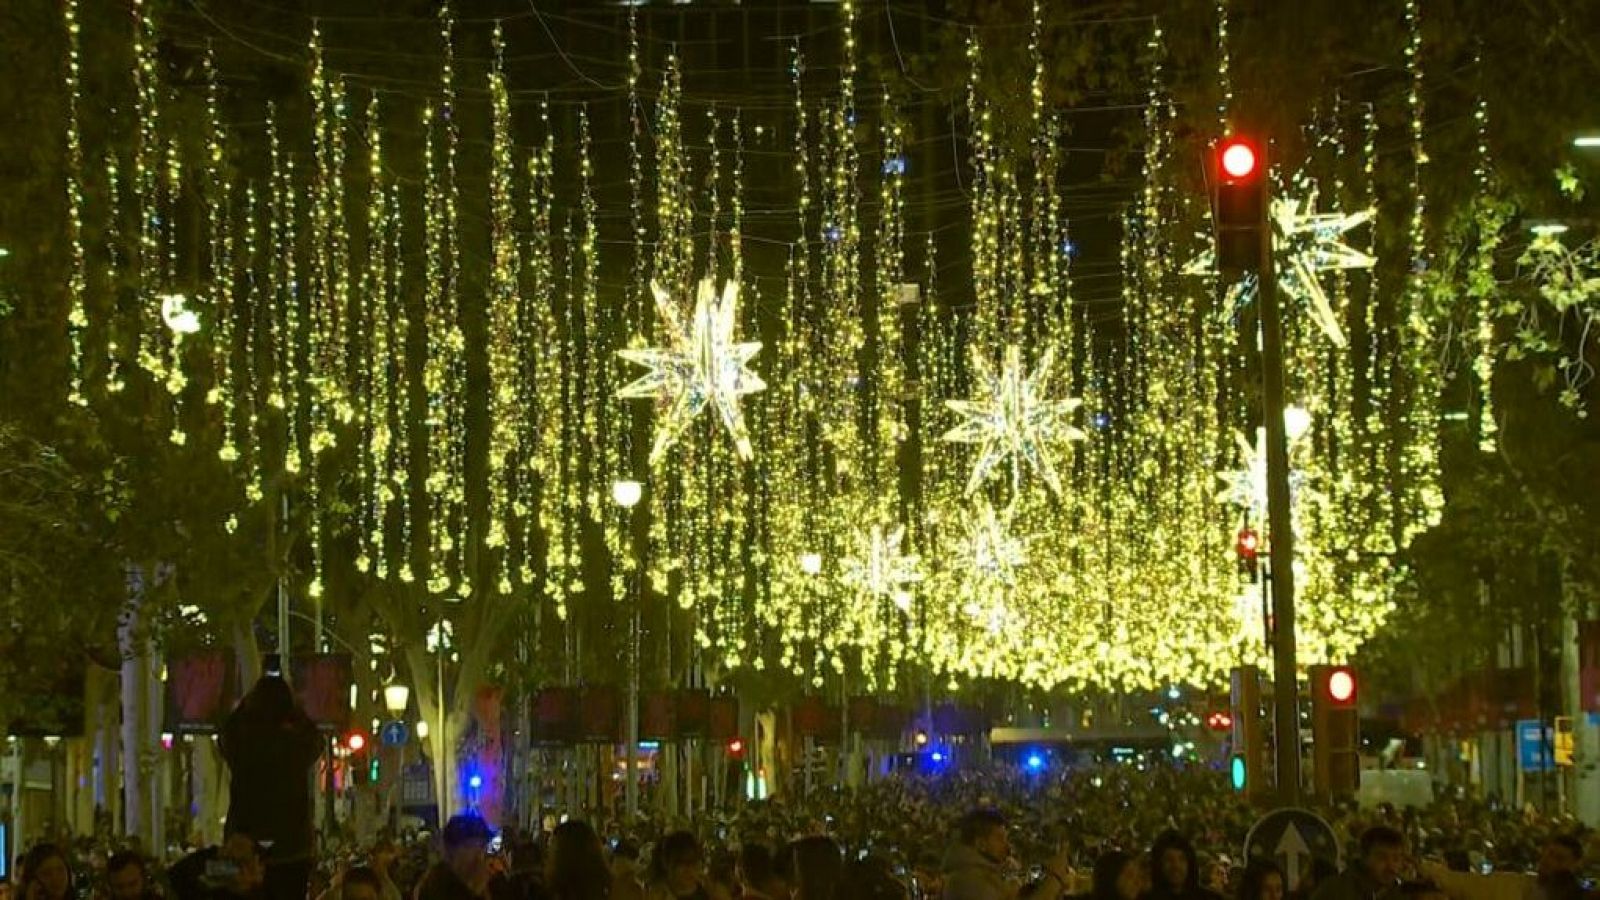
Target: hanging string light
<point x="78" y="277"/>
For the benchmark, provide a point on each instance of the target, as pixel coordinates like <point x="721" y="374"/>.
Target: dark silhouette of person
<point x="271" y="745"/>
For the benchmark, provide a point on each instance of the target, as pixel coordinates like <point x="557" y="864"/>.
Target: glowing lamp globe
<point x="396" y="697"/>
<point x="627" y="493"/>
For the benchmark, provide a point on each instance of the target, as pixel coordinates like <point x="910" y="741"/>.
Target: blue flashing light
<point x="1035" y="762"/>
<point x="649" y="745"/>
<point x="475" y="782"/>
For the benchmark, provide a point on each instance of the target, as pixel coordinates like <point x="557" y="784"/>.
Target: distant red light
<point x="1341" y="685"/>
<point x="357" y="742"/>
<point x="1249" y="542"/>
<point x="736" y="746"/>
<point x="1238" y="159"/>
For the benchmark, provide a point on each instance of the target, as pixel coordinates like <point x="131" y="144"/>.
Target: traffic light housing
<point x="1239" y="204"/>
<point x="1335" y="730"/>
<point x="1249" y="737"/>
<point x="1248" y="548"/>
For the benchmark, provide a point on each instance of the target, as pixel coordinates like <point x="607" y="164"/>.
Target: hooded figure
<point x="1174" y="870"/>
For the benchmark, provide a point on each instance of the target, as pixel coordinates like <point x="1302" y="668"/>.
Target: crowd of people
<point x="1146" y="831"/>
<point x="1112" y="833"/>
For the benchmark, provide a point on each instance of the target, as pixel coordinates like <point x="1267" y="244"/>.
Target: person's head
<point x="45" y="873"/>
<point x="125" y="876"/>
<point x="677" y="862"/>
<point x="818" y="868"/>
<point x="1172" y="858"/>
<point x="466" y="848"/>
<point x="383" y="856"/>
<point x="1383" y="853"/>
<point x="871" y="879"/>
<point x="984" y="830"/>
<point x="240" y="850"/>
<point x="6" y="892"/>
<point x="576" y="867"/>
<point x="1119" y="876"/>
<point x="758" y="870"/>
<point x="1263" y="880"/>
<point x="271" y="698"/>
<point x="625" y="855"/>
<point x="1561" y="855"/>
<point x="361" y="883"/>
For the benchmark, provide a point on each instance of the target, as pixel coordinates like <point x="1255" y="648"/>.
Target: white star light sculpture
<point x="880" y="569"/>
<point x="1246" y="486"/>
<point x="996" y="553"/>
<point x="1308" y="243"/>
<point x="701" y="366"/>
<point x="1016" y="420"/>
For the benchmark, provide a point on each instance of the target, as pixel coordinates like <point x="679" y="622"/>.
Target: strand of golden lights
<point x="1482" y="288"/>
<point x="1124" y="579"/>
<point x="1224" y="71"/>
<point x="77" y="280"/>
<point x="1420" y="454"/>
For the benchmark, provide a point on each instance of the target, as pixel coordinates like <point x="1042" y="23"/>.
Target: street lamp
<point x="1587" y="141"/>
<point x="422" y="730"/>
<point x="626" y="493"/>
<point x="396" y="697"/>
<point x="1296" y="423"/>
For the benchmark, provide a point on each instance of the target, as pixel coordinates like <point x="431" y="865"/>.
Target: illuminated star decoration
<point x="879" y="569"/>
<point x="1016" y="420"/>
<point x="1246" y="486"/>
<point x="1308" y="243"/>
<point x="996" y="553"/>
<point x="701" y="366"/>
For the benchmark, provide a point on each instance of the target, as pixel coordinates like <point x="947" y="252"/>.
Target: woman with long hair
<point x="575" y="868"/>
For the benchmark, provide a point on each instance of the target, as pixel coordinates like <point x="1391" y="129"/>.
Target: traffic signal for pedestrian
<point x="736" y="748"/>
<point x="1335" y="730"/>
<point x="1249" y="739"/>
<point x="1239" y="205"/>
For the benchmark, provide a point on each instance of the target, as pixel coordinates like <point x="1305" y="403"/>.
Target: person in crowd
<point x="871" y="879"/>
<point x="463" y="872"/>
<point x="1263" y="880"/>
<point x="270" y="746"/>
<point x="383" y="861"/>
<point x="974" y="867"/>
<point x="818" y="867"/>
<point x="676" y="869"/>
<point x="575" y="867"/>
<point x="625" y="881"/>
<point x="6" y="892"/>
<point x="360" y="883"/>
<point x="46" y="874"/>
<point x="127" y="878"/>
<point x="1556" y="877"/>
<point x="1376" y="875"/>
<point x="758" y="873"/>
<point x="1119" y="876"/>
<point x="232" y="871"/>
<point x="1176" y="870"/>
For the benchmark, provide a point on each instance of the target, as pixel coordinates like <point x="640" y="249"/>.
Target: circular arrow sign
<point x="1296" y="840"/>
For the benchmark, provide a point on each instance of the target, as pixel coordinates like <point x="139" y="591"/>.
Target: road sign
<point x="394" y="734"/>
<point x="1295" y="839"/>
<point x="1535" y="746"/>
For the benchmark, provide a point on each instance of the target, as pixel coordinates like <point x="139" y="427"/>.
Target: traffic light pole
<point x="1285" y="687"/>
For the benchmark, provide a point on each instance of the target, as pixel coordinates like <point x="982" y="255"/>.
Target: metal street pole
<point x="1285" y="686"/>
<point x="631" y="783"/>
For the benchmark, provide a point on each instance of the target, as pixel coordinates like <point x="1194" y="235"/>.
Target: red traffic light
<point x="1219" y="721"/>
<point x="1238" y="158"/>
<point x="736" y="747"/>
<point x="357" y="742"/>
<point x="1247" y="544"/>
<point x="1340" y="685"/>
